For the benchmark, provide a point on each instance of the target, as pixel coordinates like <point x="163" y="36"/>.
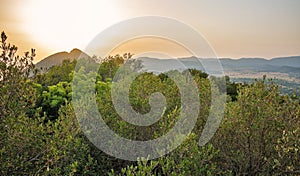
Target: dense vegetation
<point x="40" y="135"/>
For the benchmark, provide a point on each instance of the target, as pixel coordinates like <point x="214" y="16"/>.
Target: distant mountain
<point x="287" y="65"/>
<point x="262" y="65"/>
<point x="293" y="61"/>
<point x="282" y="64"/>
<point x="57" y="58"/>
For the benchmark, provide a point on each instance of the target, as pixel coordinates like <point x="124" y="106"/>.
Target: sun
<point x="64" y="25"/>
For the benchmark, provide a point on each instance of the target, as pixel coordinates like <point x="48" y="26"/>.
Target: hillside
<point x="57" y="58"/>
<point x="284" y="68"/>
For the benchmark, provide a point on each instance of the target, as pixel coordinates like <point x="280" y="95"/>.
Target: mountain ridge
<point x="57" y="58"/>
<point x="289" y="64"/>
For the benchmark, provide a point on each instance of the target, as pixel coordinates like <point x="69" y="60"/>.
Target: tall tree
<point x="15" y="92"/>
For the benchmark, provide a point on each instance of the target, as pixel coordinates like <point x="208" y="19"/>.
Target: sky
<point x="233" y="28"/>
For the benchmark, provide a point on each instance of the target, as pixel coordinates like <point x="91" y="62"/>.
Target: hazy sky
<point x="234" y="28"/>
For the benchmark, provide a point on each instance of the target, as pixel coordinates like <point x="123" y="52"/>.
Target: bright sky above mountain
<point x="234" y="28"/>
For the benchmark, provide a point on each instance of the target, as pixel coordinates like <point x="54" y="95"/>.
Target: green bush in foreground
<point x="29" y="146"/>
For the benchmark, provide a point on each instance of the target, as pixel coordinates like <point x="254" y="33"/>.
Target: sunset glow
<point x="67" y="24"/>
<point x="234" y="28"/>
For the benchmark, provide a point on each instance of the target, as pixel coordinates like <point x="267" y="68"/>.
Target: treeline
<point x="40" y="134"/>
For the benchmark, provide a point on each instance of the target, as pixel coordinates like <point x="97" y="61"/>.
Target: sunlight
<point x="63" y="25"/>
<point x="152" y="47"/>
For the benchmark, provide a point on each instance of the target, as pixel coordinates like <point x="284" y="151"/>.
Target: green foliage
<point x="16" y="92"/>
<point x="56" y="74"/>
<point x="30" y="146"/>
<point x="259" y="119"/>
<point x="188" y="159"/>
<point x="232" y="88"/>
<point x="287" y="160"/>
<point x="196" y="73"/>
<point x="54" y="97"/>
<point x="110" y="65"/>
<point x="40" y="135"/>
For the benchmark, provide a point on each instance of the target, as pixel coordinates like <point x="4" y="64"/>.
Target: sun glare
<point x="63" y="25"/>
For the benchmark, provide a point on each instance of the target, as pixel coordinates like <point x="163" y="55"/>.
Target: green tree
<point x="110" y="65"/>
<point x="252" y="127"/>
<point x="16" y="92"/>
<point x="56" y="74"/>
<point x="29" y="146"/>
<point x="54" y="97"/>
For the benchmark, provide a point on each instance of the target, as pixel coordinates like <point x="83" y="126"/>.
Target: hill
<point x="57" y="58"/>
<point x="282" y="65"/>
